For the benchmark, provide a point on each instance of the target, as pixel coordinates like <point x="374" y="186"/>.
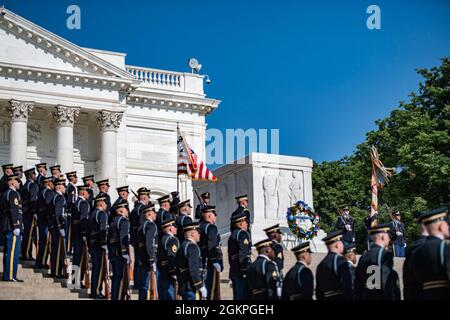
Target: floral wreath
<point x="301" y="211"/>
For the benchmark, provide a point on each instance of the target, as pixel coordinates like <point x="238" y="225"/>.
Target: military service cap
<point x="143" y="191"/>
<point x="55" y="167"/>
<point x="149" y="207"/>
<point x="163" y="199"/>
<point x="174" y="193"/>
<point x="103" y="182"/>
<point x="263" y="243"/>
<point x="124" y="188"/>
<point x="381" y="228"/>
<point x="99" y="197"/>
<point x="121" y="204"/>
<point x="209" y="208"/>
<point x="7" y="166"/>
<point x="71" y="174"/>
<point x="82" y="188"/>
<point x="349" y="248"/>
<point x="333" y="237"/>
<point x="435" y="215"/>
<point x="205" y="195"/>
<point x="59" y="182"/>
<point x="30" y="171"/>
<point x="88" y="178"/>
<point x="186" y="203"/>
<point x="345" y="207"/>
<point x="303" y="247"/>
<point x="47" y="179"/>
<point x="191" y="226"/>
<point x="168" y="223"/>
<point x="41" y="165"/>
<point x="241" y="198"/>
<point x="238" y="217"/>
<point x="18" y="169"/>
<point x="272" y="229"/>
<point x="11" y="177"/>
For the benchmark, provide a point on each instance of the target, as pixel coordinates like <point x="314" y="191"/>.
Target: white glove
<point x="127" y="258"/>
<point x="16" y="232"/>
<point x="154" y="266"/>
<point x="348" y="227"/>
<point x="62" y="232"/>
<point x="279" y="292"/>
<point x="217" y="266"/>
<point x="398" y="233"/>
<point x="105" y="247"/>
<point x="35" y="217"/>
<point x="203" y="292"/>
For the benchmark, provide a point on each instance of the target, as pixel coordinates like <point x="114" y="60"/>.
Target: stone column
<point x="65" y="118"/>
<point x="20" y="110"/>
<point x="109" y="123"/>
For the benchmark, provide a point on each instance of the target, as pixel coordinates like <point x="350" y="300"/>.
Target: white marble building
<point x="88" y="111"/>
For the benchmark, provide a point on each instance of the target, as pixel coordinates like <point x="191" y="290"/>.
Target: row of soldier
<point x="175" y="256"/>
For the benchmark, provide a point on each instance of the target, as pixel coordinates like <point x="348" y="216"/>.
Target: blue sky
<point x="310" y="68"/>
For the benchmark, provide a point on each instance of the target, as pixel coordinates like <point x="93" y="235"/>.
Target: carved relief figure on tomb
<point x="34" y="135"/>
<point x="270" y="195"/>
<point x="283" y="191"/>
<point x="296" y="187"/>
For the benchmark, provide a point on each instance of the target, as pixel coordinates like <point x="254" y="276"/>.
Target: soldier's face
<point x="144" y="198"/>
<point x="206" y="200"/>
<point x="104" y="188"/>
<point x="8" y="172"/>
<point x="210" y="217"/>
<point x="339" y="246"/>
<point x="74" y="180"/>
<point x="270" y="252"/>
<point x="123" y="194"/>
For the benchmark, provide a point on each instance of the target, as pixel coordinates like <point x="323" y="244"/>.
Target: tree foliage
<point x="415" y="139"/>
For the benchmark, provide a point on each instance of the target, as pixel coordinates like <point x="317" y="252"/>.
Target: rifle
<point x="204" y="275"/>
<point x="106" y="275"/>
<point x="154" y="292"/>
<point x="217" y="286"/>
<point x="126" y="283"/>
<point x="30" y="236"/>
<point x="87" y="283"/>
<point x="65" y="260"/>
<point x="175" y="288"/>
<point x="135" y="194"/>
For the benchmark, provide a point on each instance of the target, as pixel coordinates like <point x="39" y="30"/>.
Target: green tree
<point x="414" y="138"/>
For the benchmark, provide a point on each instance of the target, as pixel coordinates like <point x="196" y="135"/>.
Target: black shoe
<point x="61" y="277"/>
<point x="98" y="296"/>
<point x="46" y="267"/>
<point x="16" y="280"/>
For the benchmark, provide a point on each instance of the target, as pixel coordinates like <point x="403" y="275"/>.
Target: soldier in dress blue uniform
<point x="398" y="235"/>
<point x="7" y="171"/>
<point x="379" y="260"/>
<point x="71" y="197"/>
<point x="350" y="255"/>
<point x="57" y="230"/>
<point x="167" y="260"/>
<point x="88" y="181"/>
<point x="204" y="202"/>
<point x="369" y="221"/>
<point x="98" y="235"/>
<point x="183" y="218"/>
<point x="119" y="249"/>
<point x="56" y="173"/>
<point x="239" y="252"/>
<point x="175" y="195"/>
<point x="80" y="227"/>
<point x="274" y="233"/>
<point x="242" y="208"/>
<point x="210" y="245"/>
<point x="42" y="173"/>
<point x="146" y="248"/>
<point x="136" y="218"/>
<point x="11" y="226"/>
<point x="123" y="193"/>
<point x="263" y="277"/>
<point x="45" y="199"/>
<point x="333" y="277"/>
<point x="189" y="261"/>
<point x="411" y="288"/>
<point x="431" y="261"/>
<point x="164" y="210"/>
<point x="346" y="224"/>
<point x="103" y="187"/>
<point x="29" y="194"/>
<point x="18" y="172"/>
<point x="299" y="281"/>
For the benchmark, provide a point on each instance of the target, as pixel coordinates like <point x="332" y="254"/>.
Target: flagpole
<point x="178" y="177"/>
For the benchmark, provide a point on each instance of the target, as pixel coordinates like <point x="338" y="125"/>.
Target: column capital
<point x="109" y="120"/>
<point x="66" y="116"/>
<point x="20" y="110"/>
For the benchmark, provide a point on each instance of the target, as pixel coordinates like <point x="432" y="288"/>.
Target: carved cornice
<point x="109" y="120"/>
<point x="66" y="116"/>
<point x="20" y="110"/>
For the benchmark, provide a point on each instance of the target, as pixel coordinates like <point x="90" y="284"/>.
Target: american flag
<point x="189" y="164"/>
<point x="380" y="177"/>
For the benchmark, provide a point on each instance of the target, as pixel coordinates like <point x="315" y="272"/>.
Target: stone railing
<point x="167" y="80"/>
